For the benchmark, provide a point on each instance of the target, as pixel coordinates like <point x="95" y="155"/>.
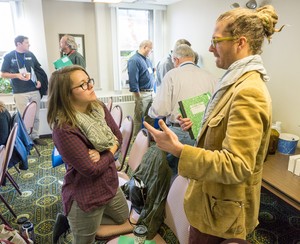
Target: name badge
<point x="23" y="71"/>
<point x="150" y="70"/>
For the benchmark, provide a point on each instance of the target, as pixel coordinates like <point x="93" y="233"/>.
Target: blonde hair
<point x="60" y="108"/>
<point x="255" y="25"/>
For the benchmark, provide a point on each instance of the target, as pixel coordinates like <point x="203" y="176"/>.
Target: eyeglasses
<point x="216" y="40"/>
<point x="85" y="85"/>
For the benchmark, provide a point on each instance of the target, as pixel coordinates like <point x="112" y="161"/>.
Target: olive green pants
<point x="84" y="225"/>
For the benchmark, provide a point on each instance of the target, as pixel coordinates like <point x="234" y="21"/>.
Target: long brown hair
<point x="60" y="108"/>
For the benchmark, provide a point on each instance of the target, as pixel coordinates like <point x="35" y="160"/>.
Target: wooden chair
<point x="6" y="155"/>
<point x="117" y="114"/>
<point x="2" y="153"/>
<point x="28" y="119"/>
<point x="127" y="131"/>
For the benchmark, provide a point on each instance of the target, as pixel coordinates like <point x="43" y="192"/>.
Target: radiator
<point x="11" y="107"/>
<point x="126" y="101"/>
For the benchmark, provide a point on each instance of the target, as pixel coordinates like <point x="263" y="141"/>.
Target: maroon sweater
<point x="89" y="184"/>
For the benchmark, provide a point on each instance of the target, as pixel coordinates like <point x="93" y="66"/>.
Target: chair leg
<point x="37" y="150"/>
<point x="13" y="182"/>
<point x="7" y="205"/>
<point x="4" y="221"/>
<point x="16" y="168"/>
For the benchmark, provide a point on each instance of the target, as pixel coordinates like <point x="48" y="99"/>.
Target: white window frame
<point x="156" y="35"/>
<point x="17" y="14"/>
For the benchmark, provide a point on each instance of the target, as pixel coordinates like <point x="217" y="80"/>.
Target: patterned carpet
<point x="41" y="201"/>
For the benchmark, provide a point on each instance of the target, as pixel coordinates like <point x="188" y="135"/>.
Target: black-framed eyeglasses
<point x="216" y="40"/>
<point x="86" y="85"/>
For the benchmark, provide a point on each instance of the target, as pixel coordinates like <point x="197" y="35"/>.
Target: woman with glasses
<point x="87" y="138"/>
<point x="225" y="169"/>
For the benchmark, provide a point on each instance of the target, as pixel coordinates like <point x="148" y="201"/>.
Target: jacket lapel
<point x="223" y="102"/>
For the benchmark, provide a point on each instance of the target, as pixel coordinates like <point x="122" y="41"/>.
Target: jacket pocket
<point x="214" y="122"/>
<point x="224" y="216"/>
<point x="215" y="134"/>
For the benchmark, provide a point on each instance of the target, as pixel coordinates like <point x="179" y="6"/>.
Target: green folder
<point x="194" y="108"/>
<point x="62" y="62"/>
<point x="130" y="240"/>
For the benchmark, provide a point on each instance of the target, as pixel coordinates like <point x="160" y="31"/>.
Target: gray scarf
<point x="234" y="72"/>
<point x="95" y="128"/>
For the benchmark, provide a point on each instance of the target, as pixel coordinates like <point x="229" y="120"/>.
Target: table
<point x="281" y="182"/>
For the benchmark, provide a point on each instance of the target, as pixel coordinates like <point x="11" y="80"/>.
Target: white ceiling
<point x="158" y="2"/>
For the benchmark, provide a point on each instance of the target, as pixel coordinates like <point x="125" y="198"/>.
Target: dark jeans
<point x="184" y="138"/>
<point x="197" y="237"/>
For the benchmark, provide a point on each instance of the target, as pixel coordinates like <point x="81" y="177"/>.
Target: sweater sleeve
<point x="74" y="149"/>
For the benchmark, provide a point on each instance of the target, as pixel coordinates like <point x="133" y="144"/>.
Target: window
<point x="6" y="40"/>
<point x="134" y="26"/>
<point x="6" y="28"/>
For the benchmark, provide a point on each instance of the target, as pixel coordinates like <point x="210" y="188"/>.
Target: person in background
<point x="141" y="81"/>
<point x="19" y="65"/>
<point x="5" y="120"/>
<point x="90" y="193"/>
<point x="198" y="60"/>
<point x="225" y="167"/>
<point x="68" y="47"/>
<point x="166" y="63"/>
<point x="186" y="80"/>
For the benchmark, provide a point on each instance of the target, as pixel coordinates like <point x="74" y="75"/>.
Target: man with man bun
<point x="225" y="166"/>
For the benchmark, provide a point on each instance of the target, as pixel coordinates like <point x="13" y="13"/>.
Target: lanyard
<point x="22" y="62"/>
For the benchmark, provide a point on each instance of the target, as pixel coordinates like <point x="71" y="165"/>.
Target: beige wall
<point x="71" y="18"/>
<point x="190" y="19"/>
<point x="194" y="20"/>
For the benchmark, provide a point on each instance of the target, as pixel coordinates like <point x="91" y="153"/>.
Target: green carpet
<point x="279" y="222"/>
<point x="41" y="201"/>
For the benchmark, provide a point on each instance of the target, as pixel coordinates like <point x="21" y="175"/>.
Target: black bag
<point x="43" y="78"/>
<point x="135" y="191"/>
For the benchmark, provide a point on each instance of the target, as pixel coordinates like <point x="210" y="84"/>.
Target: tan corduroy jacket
<point x="225" y="170"/>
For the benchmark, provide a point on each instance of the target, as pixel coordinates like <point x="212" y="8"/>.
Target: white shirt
<point x="180" y="83"/>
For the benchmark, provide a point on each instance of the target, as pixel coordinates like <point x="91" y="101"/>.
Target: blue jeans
<point x="184" y="138"/>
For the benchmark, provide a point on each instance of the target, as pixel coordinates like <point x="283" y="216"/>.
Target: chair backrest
<point x="127" y="131"/>
<point x="109" y="103"/>
<point x="28" y="116"/>
<point x="117" y="114"/>
<point x="175" y="215"/>
<point x="9" y="147"/>
<point x="138" y="149"/>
